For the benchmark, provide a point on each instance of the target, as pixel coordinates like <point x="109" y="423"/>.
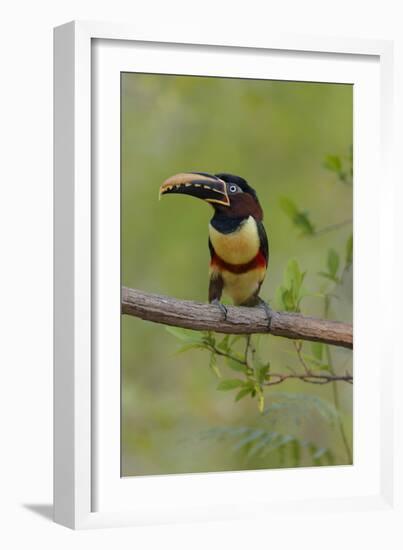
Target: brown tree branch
<point x="240" y="320"/>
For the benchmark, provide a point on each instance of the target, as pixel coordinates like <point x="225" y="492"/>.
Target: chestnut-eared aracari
<point x="238" y="242"/>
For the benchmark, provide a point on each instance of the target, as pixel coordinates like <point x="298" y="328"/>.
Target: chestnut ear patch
<point x="240" y="182"/>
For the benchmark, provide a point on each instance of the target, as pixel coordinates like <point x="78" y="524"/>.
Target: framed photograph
<point x="205" y="363"/>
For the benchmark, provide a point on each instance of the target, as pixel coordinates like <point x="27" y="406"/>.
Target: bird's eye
<point x="233" y="188"/>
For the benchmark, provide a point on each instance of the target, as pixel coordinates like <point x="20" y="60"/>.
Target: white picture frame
<point x="88" y="491"/>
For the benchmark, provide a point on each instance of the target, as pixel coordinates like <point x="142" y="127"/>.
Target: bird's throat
<point x="235" y="240"/>
<point x="225" y="224"/>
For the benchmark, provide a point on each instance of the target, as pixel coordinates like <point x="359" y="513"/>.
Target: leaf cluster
<point x="341" y="166"/>
<point x="301" y="406"/>
<point x="260" y="443"/>
<point x="333" y="262"/>
<point x="291" y="292"/>
<point x="251" y="372"/>
<point x="300" y="218"/>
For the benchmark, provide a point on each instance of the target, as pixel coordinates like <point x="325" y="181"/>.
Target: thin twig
<point x="228" y="355"/>
<point x="247" y="346"/>
<point x="332" y="227"/>
<point x="311" y="378"/>
<point x="307" y="376"/>
<point x="298" y="347"/>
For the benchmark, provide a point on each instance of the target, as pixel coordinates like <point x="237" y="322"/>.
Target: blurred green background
<point x="275" y="134"/>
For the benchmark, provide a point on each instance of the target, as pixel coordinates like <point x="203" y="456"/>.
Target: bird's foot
<point x="222" y="307"/>
<point x="268" y="311"/>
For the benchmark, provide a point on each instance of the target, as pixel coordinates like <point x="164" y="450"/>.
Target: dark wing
<point x="264" y="243"/>
<point x="212" y="251"/>
<point x="216" y="283"/>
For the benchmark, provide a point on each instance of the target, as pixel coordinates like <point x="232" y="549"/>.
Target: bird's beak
<point x="200" y="185"/>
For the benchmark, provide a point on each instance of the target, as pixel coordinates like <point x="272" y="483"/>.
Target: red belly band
<point x="258" y="261"/>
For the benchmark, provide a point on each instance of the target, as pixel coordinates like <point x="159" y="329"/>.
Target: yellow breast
<point x="239" y="247"/>
<point x="242" y="287"/>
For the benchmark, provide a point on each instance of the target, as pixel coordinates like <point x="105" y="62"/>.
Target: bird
<point x="238" y="243"/>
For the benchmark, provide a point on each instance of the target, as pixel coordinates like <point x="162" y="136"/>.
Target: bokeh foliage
<point x="292" y="142"/>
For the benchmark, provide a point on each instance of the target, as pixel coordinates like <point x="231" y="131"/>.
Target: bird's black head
<point x="230" y="195"/>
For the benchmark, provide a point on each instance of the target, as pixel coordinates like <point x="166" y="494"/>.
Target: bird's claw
<point x="268" y="311"/>
<point x="222" y="307"/>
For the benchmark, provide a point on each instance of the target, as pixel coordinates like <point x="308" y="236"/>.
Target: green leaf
<point x="301" y="405"/>
<point x="288" y="300"/>
<point x="261" y="371"/>
<point x="333" y="262"/>
<point x="192" y="345"/>
<point x="213" y="365"/>
<point x="243" y="393"/>
<point x="290" y="294"/>
<point x="303" y="293"/>
<point x="235" y="365"/>
<point x="294" y="277"/>
<point x="262" y="445"/>
<point x="298" y="217"/>
<point x="333" y="163"/>
<point x="288" y="207"/>
<point x="317" y="350"/>
<point x="224" y="344"/>
<point x="250" y="438"/>
<point x="323" y="366"/>
<point x="230" y="384"/>
<point x="255" y="442"/>
<point x="349" y="251"/>
<point x="302" y="221"/>
<point x="328" y="276"/>
<point x="261" y="402"/>
<point x="185" y="334"/>
<point x="292" y="273"/>
<point x="208" y="337"/>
